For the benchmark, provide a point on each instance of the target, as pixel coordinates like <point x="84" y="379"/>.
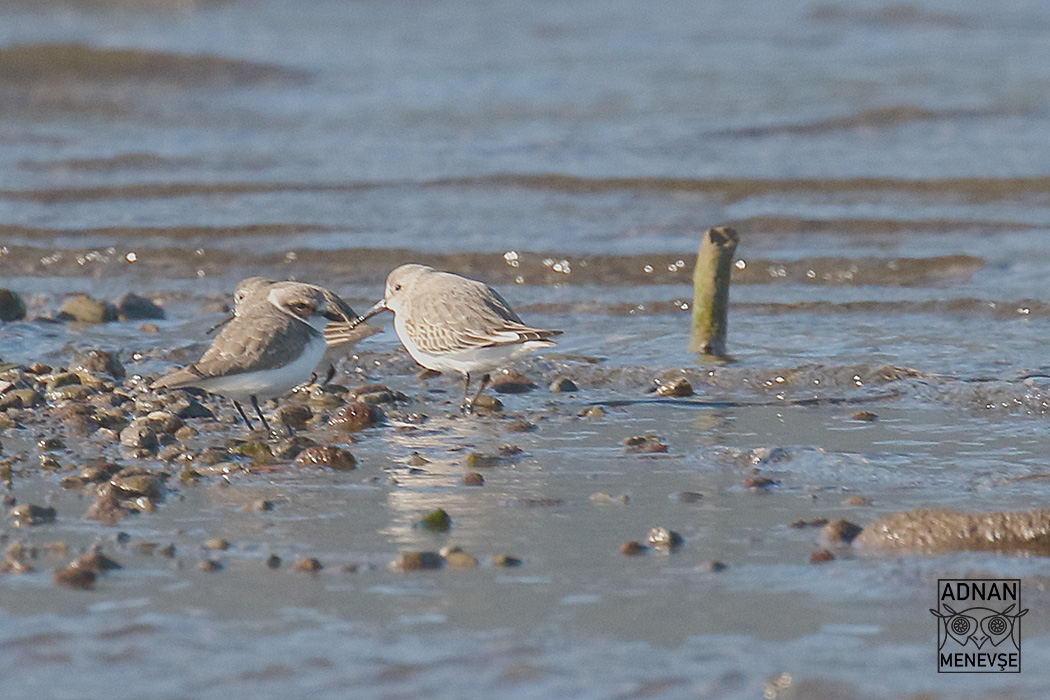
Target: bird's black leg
<point x="465" y="406"/>
<point x="329" y="374"/>
<point x="258" y="412"/>
<point x="481" y="388"/>
<point x="240" y="409"/>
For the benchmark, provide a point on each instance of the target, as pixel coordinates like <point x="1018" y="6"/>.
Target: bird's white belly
<point x="268" y="383"/>
<point x="472" y="360"/>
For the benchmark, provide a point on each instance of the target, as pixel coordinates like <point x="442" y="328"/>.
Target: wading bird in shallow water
<point x="273" y="343"/>
<point x="450" y="323"/>
<point x="253" y="289"/>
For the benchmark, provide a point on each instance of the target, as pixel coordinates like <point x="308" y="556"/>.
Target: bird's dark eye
<point x="301" y="308"/>
<point x="397" y="287"/>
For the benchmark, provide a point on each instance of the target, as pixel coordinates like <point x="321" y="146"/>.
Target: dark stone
<point x="355" y="416"/>
<point x="12" y="307"/>
<point x="415" y="561"/>
<point x="139" y="435"/>
<point x="632" y="548"/>
<point x="101" y="362"/>
<point x="644" y="444"/>
<point x="511" y="383"/>
<point x="563" y="385"/>
<point x="677" y="387"/>
<point x="73" y="576"/>
<point x="294" y="417"/>
<point x="472" y="478"/>
<point x="310" y="565"/>
<point x="329" y="456"/>
<point x="194" y="409"/>
<point x="134" y="307"/>
<point x="821" y="557"/>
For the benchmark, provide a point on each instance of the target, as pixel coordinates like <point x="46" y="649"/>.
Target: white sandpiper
<point x="273" y="343"/>
<point x="450" y="323"/>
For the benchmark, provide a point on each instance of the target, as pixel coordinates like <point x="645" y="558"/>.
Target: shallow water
<point x="885" y="164"/>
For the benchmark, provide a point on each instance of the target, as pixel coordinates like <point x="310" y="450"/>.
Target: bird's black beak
<point x="379" y="307"/>
<point x="220" y="324"/>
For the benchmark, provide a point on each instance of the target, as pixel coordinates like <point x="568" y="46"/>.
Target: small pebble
<point x="815" y="522"/>
<point x="857" y="501"/>
<point x="563" y="385"/>
<point x="134" y="307"/>
<point x="644" y="444"/>
<point x="415" y="561"/>
<point x="293" y="416"/>
<point x="257" y="451"/>
<point x="821" y="557"/>
<point x="29" y="514"/>
<point x="417" y="460"/>
<point x="713" y="566"/>
<point x="436" y="521"/>
<point x="838" y="532"/>
<point x="592" y="412"/>
<point x="677" y="387"/>
<point x="12" y="307"/>
<point x="73" y="576"/>
<point x="472" y="478"/>
<point x="209" y="565"/>
<point x="477" y="460"/>
<point x="97" y="561"/>
<point x="273" y="561"/>
<point x="309" y="565"/>
<point x="757" y="482"/>
<point x="356" y="416"/>
<point x="82" y="308"/>
<point x="602" y="497"/>
<point x="375" y="394"/>
<point x="456" y="558"/>
<point x="865" y="416"/>
<point x="511" y="383"/>
<point x="632" y="548"/>
<point x="488" y="403"/>
<point x="662" y="538"/>
<point x="505" y="560"/>
<point x="51" y="443"/>
<point x="687" y="496"/>
<point x="330" y="456"/>
<point x="520" y="425"/>
<point x="217" y="544"/>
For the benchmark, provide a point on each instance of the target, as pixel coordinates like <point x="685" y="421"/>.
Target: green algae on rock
<point x="436" y="521"/>
<point x="938" y="531"/>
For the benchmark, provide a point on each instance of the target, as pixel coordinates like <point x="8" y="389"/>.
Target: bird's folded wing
<point x="248" y="343"/>
<point x="466" y="317"/>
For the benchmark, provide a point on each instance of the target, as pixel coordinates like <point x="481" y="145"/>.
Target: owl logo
<point x="974" y="627"/>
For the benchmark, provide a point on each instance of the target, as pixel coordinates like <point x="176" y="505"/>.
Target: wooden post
<point x="714" y="262"/>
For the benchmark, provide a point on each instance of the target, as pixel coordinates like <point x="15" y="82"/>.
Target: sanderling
<point x="253" y="289"/>
<point x="272" y="344"/>
<point x="450" y="323"/>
